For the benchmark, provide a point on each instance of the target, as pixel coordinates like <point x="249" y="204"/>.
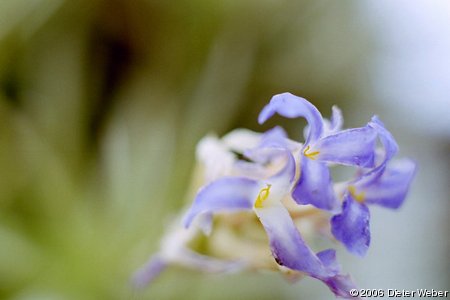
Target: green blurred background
<point x="102" y="104"/>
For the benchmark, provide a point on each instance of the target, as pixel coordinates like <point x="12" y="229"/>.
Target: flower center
<point x="262" y="196"/>
<point x="311" y="155"/>
<point x="359" y="197"/>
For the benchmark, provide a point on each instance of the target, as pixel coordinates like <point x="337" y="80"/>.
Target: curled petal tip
<point x="291" y="106"/>
<point x="336" y="119"/>
<point x="265" y="114"/>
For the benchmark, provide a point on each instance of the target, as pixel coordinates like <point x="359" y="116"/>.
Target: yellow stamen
<point x="311" y="155"/>
<point x="262" y="196"/>
<point x="358" y="197"/>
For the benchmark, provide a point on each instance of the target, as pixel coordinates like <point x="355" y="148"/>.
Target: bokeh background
<point x="103" y="101"/>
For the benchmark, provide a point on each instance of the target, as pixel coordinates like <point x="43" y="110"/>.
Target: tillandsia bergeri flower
<point x="259" y="190"/>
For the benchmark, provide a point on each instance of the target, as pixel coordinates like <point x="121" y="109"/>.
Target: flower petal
<point x="149" y="271"/>
<point x="290" y="250"/>
<point x="341" y="285"/>
<point x="391" y="188"/>
<point x="336" y="119"/>
<point x="390" y="149"/>
<point x="388" y="141"/>
<point x="291" y="106"/>
<point x="287" y="174"/>
<point x="335" y="123"/>
<point x="216" y="158"/>
<point x="274" y="152"/>
<point x="275" y="137"/>
<point x="223" y="195"/>
<point x="191" y="259"/>
<point x="314" y="185"/>
<point x="278" y="138"/>
<point x="241" y="139"/>
<point x="328" y="258"/>
<point x="353" y="147"/>
<point x="251" y="170"/>
<point x="351" y="226"/>
<point x="205" y="223"/>
<point x="288" y="247"/>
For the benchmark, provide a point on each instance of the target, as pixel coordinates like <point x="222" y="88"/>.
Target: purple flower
<point x="264" y="196"/>
<point x="385" y="185"/>
<point x="272" y="178"/>
<point x="325" y="143"/>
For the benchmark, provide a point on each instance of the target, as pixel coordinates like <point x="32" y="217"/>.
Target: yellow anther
<point x="262" y="196"/>
<point x="358" y="197"/>
<point x="311" y="155"/>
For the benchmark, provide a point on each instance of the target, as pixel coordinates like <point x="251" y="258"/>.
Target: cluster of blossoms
<point x="259" y="191"/>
